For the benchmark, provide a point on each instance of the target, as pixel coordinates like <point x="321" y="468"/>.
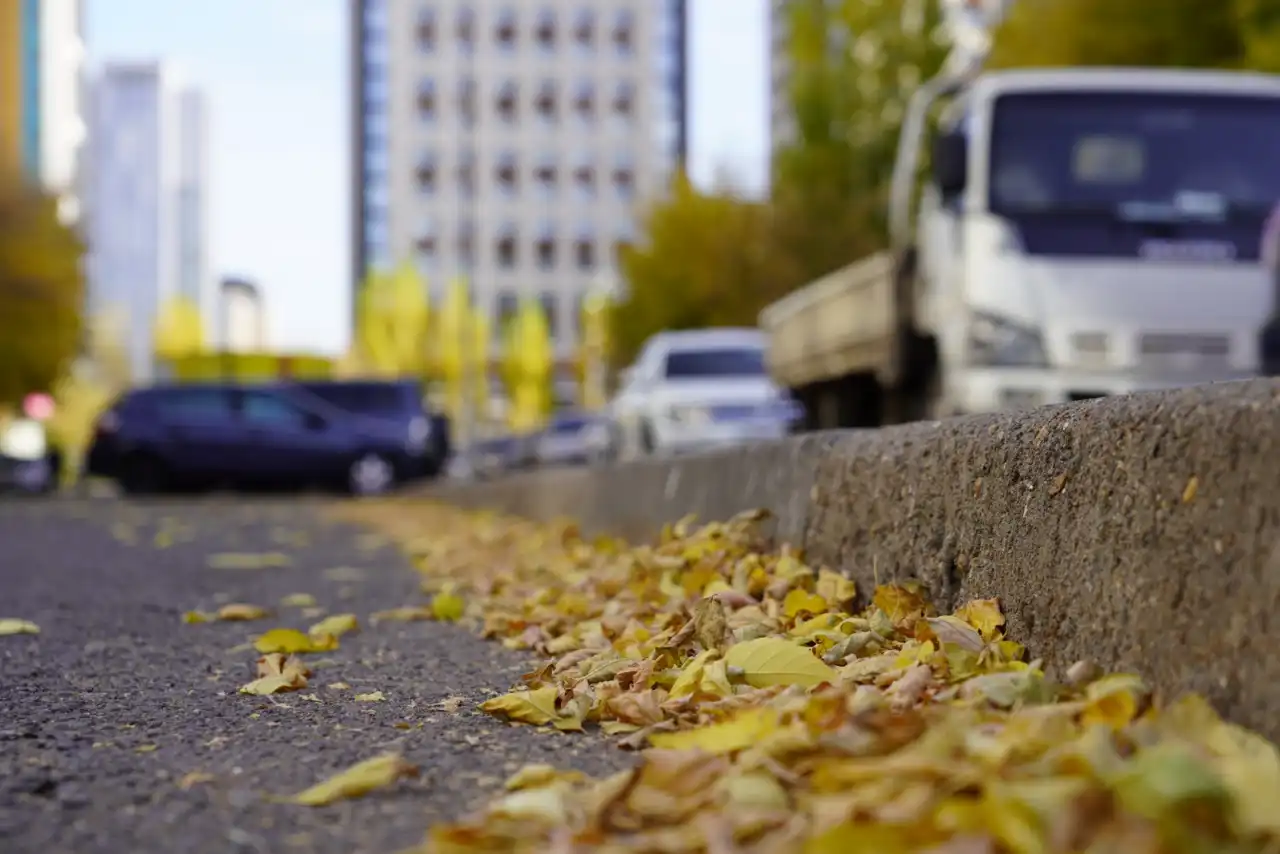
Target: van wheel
<point x="143" y="474"/>
<point x="370" y="474"/>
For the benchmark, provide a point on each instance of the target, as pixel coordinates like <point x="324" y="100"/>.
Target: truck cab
<point x="1090" y="232"/>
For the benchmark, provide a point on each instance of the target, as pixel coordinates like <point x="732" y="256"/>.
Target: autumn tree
<point x="705" y="260"/>
<point x="41" y="292"/>
<point x="1238" y="34"/>
<point x="853" y="67"/>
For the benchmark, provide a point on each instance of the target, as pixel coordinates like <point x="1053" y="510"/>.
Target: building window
<point x="545" y="30"/>
<point x="427" y="100"/>
<point x="507" y="307"/>
<point x="466" y="30"/>
<point x="467" y="174"/>
<point x="624" y="32"/>
<point x="624" y="177"/>
<point x="584" y="101"/>
<point x="584" y="251"/>
<point x="584" y="30"/>
<point x="624" y="102"/>
<point x="508" y="103"/>
<point x="584" y="179"/>
<point x="505" y="30"/>
<point x="466" y="243"/>
<point x="467" y="101"/>
<point x="427" y="174"/>
<point x="544" y="248"/>
<point x="545" y="102"/>
<point x="549" y="305"/>
<point x="506" y="250"/>
<point x="546" y="176"/>
<point x="427" y="243"/>
<point x="507" y="174"/>
<point x="427" y="31"/>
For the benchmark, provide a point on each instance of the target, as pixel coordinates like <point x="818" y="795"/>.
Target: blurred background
<point x="504" y="201"/>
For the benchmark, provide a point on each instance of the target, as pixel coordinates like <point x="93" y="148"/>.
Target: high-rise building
<point x="194" y="277"/>
<point x="140" y="233"/>
<point x="42" y="127"/>
<point x="512" y="142"/>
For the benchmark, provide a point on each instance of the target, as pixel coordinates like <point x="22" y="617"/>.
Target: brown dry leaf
<point x="278" y="673"/>
<point x="380" y="772"/>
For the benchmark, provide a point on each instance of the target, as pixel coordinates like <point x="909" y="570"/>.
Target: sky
<point x="275" y="75"/>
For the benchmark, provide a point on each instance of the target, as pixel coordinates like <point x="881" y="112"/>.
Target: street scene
<point x="663" y="426"/>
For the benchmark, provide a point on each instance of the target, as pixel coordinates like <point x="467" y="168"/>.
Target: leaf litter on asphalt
<point x="14" y="626"/>
<point x="774" y="717"/>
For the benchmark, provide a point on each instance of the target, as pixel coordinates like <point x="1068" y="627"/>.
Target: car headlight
<point x="996" y="341"/>
<point x="24" y="439"/>
<point x="687" y="414"/>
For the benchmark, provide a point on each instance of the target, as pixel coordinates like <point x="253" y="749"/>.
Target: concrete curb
<point x="1138" y="532"/>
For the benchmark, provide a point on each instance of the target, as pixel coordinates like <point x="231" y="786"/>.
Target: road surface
<point x="121" y="727"/>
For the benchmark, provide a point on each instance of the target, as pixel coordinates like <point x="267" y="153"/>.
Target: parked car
<point x="572" y="438"/>
<point x="167" y="437"/>
<point x="29" y="465"/>
<point x="395" y="400"/>
<point x="696" y="389"/>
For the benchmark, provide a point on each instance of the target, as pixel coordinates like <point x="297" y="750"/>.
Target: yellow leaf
<point x="240" y="612"/>
<point x="447" y="606"/>
<point x="799" y="600"/>
<point x="535" y="707"/>
<point x="374" y="697"/>
<point x="291" y="641"/>
<point x="984" y="615"/>
<point x="197" y="617"/>
<point x="278" y="673"/>
<point x="899" y="602"/>
<point x="11" y="626"/>
<point x="336" y="626"/>
<point x="357" y="781"/>
<point x="835" y="588"/>
<point x="238" y="560"/>
<point x="402" y="615"/>
<point x="777" y="661"/>
<point x="298" y="600"/>
<point x="537" y="775"/>
<point x="1113" y="701"/>
<point x="737" y="733"/>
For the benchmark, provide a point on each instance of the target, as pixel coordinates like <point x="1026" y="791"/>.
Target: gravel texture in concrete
<point x="1139" y="532"/>
<point x="121" y="728"/>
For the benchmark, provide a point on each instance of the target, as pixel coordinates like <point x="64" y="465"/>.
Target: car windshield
<point x="1139" y="154"/>
<point x="381" y="397"/>
<point x="1135" y="174"/>
<point x="715" y="362"/>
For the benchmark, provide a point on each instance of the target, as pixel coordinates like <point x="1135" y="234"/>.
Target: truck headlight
<point x="689" y="415"/>
<point x="996" y="341"/>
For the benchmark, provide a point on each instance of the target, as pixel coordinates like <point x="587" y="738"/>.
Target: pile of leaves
<point x="774" y="718"/>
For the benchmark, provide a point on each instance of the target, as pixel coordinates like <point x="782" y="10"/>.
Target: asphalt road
<point x="117" y="703"/>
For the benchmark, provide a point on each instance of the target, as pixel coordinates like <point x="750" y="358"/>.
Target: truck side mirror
<point x="950" y="163"/>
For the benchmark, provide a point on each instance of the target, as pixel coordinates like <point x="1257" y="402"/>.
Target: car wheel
<point x="143" y="474"/>
<point x="371" y="474"/>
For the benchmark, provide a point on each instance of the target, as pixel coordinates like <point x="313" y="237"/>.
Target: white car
<point x="699" y="389"/>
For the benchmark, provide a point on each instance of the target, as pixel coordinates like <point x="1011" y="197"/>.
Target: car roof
<point x="713" y="338"/>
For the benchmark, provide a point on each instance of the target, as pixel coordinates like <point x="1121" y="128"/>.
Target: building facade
<point x="42" y="122"/>
<point x="139" y="233"/>
<point x="512" y="142"/>
<point x="195" y="280"/>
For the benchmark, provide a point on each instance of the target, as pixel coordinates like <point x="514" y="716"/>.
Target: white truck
<point x="1083" y="233"/>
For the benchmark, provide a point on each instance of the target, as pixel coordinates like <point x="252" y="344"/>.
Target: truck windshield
<point x="715" y="362"/>
<point x="1100" y="173"/>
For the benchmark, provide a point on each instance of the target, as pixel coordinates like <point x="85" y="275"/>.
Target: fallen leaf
<point x="240" y="612"/>
<point x="984" y="615"/>
<point x="239" y="560"/>
<point x="447" y="606"/>
<point x="298" y="600"/>
<point x="373" y="697"/>
<point x="359" y="780"/>
<point x="776" y="661"/>
<point x="12" y="626"/>
<point x="291" y="641"/>
<point x="336" y="626"/>
<point x="277" y="674"/>
<point x="402" y="615"/>
<point x="193" y="779"/>
<point x="536" y="707"/>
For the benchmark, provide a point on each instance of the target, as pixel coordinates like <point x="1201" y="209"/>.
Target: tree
<point x="854" y="66"/>
<point x="392" y="321"/>
<point x="41" y="292"/>
<point x="179" y="329"/>
<point x="705" y="261"/>
<point x="1241" y="34"/>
